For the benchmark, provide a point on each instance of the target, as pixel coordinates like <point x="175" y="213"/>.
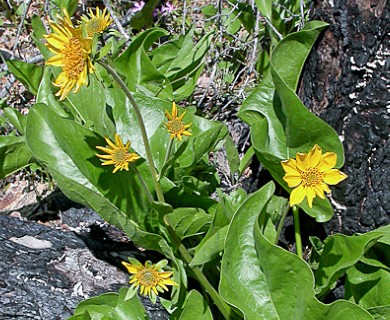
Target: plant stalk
<point x="297" y="227"/>
<point x="118" y="79"/>
<point x="281" y="223"/>
<point x="142" y="181"/>
<point x="186" y="256"/>
<point x="168" y="154"/>
<point x="222" y="306"/>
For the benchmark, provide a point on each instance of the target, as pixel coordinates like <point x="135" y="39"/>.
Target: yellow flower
<point x="96" y="23"/>
<point x="310" y="174"/>
<point x="117" y="154"/>
<point x="175" y="125"/>
<point x="71" y="54"/>
<point x="150" y="278"/>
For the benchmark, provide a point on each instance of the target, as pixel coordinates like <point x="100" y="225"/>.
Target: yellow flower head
<point x="310" y="174"/>
<point x="175" y="125"/>
<point x="96" y="23"/>
<point x="117" y="154"/>
<point x="71" y="54"/>
<point x="150" y="278"/>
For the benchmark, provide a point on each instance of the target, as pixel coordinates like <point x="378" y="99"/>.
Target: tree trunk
<point x="346" y="82"/>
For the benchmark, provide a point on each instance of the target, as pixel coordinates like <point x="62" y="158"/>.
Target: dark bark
<point x="46" y="272"/>
<point x="346" y="82"/>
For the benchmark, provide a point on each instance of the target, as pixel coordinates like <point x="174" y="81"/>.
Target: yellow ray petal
<point x="334" y="176"/>
<point x="297" y="195"/>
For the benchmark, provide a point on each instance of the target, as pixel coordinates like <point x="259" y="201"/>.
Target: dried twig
<point x="116" y="20"/>
<point x="183" y="27"/>
<point x="20" y="27"/>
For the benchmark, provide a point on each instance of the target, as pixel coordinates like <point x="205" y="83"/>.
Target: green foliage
<point x="280" y="124"/>
<point x="14" y="155"/>
<point x="28" y="74"/>
<point x="170" y="201"/>
<point x="110" y="306"/>
<point x="169" y="71"/>
<point x="265" y="281"/>
<point x="341" y="252"/>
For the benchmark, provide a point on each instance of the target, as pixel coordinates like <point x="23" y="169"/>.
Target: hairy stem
<point x="141" y="124"/>
<point x="281" y="222"/>
<point x="297" y="228"/>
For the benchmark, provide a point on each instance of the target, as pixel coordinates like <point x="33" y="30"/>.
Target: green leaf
<point x="16" y="119"/>
<point x="380" y="313"/>
<point x="213" y="242"/>
<point x="110" y="306"/>
<point x="182" y="62"/>
<point x="27" y="73"/>
<point x="339" y="253"/>
<point x="273" y="212"/>
<point x="367" y="286"/>
<point x="90" y="106"/>
<point x="232" y="154"/>
<point x="265" y="7"/>
<point x="140" y="73"/>
<point x="267" y="282"/>
<point x="195" y="308"/>
<point x="280" y="124"/>
<point x="246" y="160"/>
<point x="144" y="18"/>
<point x="45" y="94"/>
<point x="188" y="222"/>
<point x="211" y="248"/>
<point x="378" y="255"/>
<point x="69" y="5"/>
<point x="14" y="155"/>
<point x="38" y="27"/>
<point x="68" y="150"/>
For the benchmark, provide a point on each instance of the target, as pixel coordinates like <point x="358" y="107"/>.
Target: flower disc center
<point x="74" y="60"/>
<point x="176" y="126"/>
<point x="312" y="177"/>
<point x="119" y="155"/>
<point x="148" y="277"/>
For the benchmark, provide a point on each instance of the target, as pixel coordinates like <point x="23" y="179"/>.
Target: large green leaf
<point x="110" y="306"/>
<point x="280" y="124"/>
<point x="140" y="73"/>
<point x="68" y="149"/>
<point x="367" y="286"/>
<point x="267" y="282"/>
<point x="188" y="222"/>
<point x="14" y="155"/>
<point x="90" y="105"/>
<point x="242" y="283"/>
<point x="27" y="73"/>
<point x="339" y="253"/>
<point x="210" y="248"/>
<point x="195" y="308"/>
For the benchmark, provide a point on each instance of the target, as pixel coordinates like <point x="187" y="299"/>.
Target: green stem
<point x="157" y="186"/>
<point x="298" y="240"/>
<point x="168" y="154"/>
<point x="142" y="181"/>
<point x="222" y="306"/>
<point x="281" y="223"/>
<point x="186" y="256"/>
